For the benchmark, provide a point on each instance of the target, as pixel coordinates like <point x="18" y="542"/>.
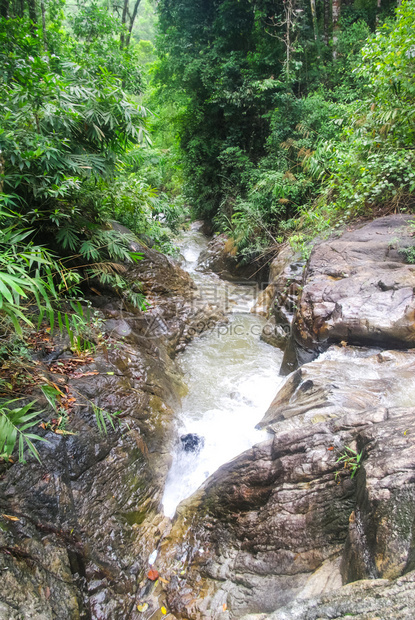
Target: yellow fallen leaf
<point x="163" y="580"/>
<point x="10" y="517"/>
<point x="142" y="607"/>
<point x="224" y="607"/>
<point x="163" y="611"/>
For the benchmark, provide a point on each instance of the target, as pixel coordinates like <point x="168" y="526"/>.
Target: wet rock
<point x="275" y="334"/>
<point x="88" y="515"/>
<point x="192" y="442"/>
<point x="221" y="257"/>
<point x="278" y="302"/>
<point x="357" y="289"/>
<point x="285" y="521"/>
<point x="378" y="599"/>
<point x="343" y="380"/>
<point x="90" y="509"/>
<point x="176" y="313"/>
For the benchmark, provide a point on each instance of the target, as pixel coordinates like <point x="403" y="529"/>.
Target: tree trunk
<point x="336" y="10"/>
<point x="132" y="20"/>
<point x="4" y="8"/>
<point x="315" y="26"/>
<point x="123" y="22"/>
<point x="288" y="9"/>
<point x="379" y="6"/>
<point x="326" y="21"/>
<point x="42" y="8"/>
<point x="32" y="10"/>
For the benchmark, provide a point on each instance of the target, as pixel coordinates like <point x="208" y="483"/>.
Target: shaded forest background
<point x="270" y="119"/>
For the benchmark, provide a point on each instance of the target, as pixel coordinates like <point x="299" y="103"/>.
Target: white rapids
<point x="231" y="375"/>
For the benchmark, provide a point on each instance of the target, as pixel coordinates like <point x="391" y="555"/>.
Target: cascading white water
<point x="232" y="376"/>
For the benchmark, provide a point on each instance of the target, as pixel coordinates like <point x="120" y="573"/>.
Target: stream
<point x="231" y="375"/>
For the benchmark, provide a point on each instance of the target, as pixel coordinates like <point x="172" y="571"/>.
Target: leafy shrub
<point x="372" y="163"/>
<point x="14" y="425"/>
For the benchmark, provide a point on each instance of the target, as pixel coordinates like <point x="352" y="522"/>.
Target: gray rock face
<point x="87" y="518"/>
<point x="220" y="257"/>
<point x="277" y="531"/>
<point x="357" y="289"/>
<point x="364" y="600"/>
<point x="342" y="380"/>
<point x="284" y="521"/>
<point x="283" y="531"/>
<point x="279" y="300"/>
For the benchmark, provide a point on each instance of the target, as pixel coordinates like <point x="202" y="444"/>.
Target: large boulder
<point x="357" y="289"/>
<point x="285" y="521"/>
<point x="221" y="257"/>
<point x="368" y="599"/>
<point x="278" y="302"/>
<point x="175" y="312"/>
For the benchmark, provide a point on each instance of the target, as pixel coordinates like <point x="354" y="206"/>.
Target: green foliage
<point x="347" y="86"/>
<point x="67" y="125"/>
<point x="282" y="181"/>
<point x="96" y="45"/>
<point x="65" y="128"/>
<point x="71" y="126"/>
<point x="409" y="254"/>
<point x="372" y="162"/>
<point x="254" y="112"/>
<point x="351" y="460"/>
<point x="103" y="417"/>
<point x="62" y="123"/>
<point x="145" y="25"/>
<point x="153" y="214"/>
<point x="146" y="52"/>
<point x="27" y="274"/>
<point x="14" y="425"/>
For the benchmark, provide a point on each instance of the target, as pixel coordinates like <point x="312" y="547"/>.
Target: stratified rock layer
<point x="281" y="529"/>
<point x="284" y="520"/>
<point x="85" y="520"/>
<point x="357" y="289"/>
<point x="363" y="600"/>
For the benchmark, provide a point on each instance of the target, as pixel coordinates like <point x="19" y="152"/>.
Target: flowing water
<point x="232" y="377"/>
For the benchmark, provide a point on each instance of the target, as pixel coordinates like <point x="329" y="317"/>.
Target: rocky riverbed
<point x="283" y="531"/>
<point x="85" y="520"/>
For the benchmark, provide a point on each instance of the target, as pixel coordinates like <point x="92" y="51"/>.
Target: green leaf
<point x="51" y="394"/>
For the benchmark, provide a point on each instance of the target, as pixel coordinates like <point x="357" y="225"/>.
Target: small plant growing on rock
<point x="351" y="460"/>
<point x="14" y="426"/>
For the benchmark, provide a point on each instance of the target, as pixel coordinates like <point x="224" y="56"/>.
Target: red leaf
<point x="153" y="575"/>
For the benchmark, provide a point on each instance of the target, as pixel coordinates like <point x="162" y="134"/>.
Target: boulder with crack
<point x="286" y="521"/>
